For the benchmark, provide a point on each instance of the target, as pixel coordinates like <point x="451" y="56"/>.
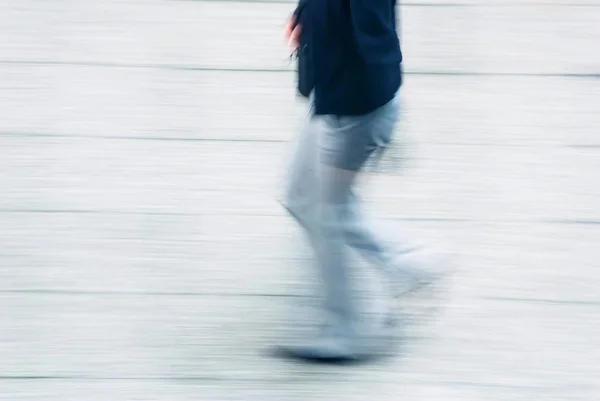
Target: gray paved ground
<point x="143" y="255"/>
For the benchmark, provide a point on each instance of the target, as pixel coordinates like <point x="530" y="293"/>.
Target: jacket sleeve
<point x="373" y="26"/>
<point x="299" y="10"/>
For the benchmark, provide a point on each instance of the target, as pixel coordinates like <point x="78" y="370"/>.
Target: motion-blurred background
<point x="143" y="255"/>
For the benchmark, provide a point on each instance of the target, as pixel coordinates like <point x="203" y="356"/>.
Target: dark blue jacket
<point x="354" y="52"/>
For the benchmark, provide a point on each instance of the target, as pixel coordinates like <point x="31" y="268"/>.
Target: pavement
<point x="143" y="254"/>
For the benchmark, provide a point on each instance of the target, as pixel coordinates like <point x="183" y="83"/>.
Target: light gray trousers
<point x="330" y="151"/>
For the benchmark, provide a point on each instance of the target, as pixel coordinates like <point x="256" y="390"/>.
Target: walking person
<point x="350" y="69"/>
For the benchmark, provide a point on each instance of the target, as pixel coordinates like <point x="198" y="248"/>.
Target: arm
<point x="299" y="9"/>
<point x="294" y="26"/>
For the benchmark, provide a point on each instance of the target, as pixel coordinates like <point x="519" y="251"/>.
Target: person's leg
<point x="363" y="137"/>
<point x="303" y="199"/>
<point x="345" y="143"/>
<point x="301" y="185"/>
<point x="403" y="264"/>
<point x="335" y="219"/>
<point x="308" y="182"/>
<point x="339" y="341"/>
<point x="361" y="235"/>
<point x="342" y="313"/>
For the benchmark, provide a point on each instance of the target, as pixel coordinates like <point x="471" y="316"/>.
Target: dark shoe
<point x="319" y="353"/>
<point x="333" y="350"/>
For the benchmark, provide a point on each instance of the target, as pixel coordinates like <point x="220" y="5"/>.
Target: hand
<point x="292" y="33"/>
